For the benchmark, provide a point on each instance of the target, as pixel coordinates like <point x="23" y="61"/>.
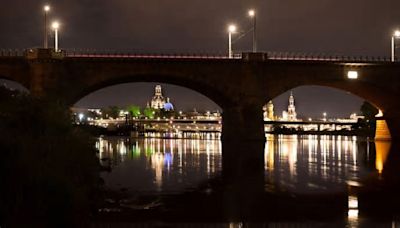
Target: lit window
<point x="352" y="74"/>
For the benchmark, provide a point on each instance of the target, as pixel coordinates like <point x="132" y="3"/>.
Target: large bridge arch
<point x="205" y="89"/>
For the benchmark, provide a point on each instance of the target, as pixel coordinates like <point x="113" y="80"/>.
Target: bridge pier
<point x="243" y="141"/>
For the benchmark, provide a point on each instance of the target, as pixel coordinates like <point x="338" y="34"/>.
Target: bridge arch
<point x="204" y="88"/>
<point x="366" y="91"/>
<point x="354" y="96"/>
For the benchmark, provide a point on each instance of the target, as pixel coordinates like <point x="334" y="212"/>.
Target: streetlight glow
<point x="231" y="29"/>
<point x="46" y="9"/>
<point x="396" y="35"/>
<point x="55" y="25"/>
<point x="252" y="13"/>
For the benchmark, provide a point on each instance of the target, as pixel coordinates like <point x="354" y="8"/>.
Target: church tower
<point x="291" y="114"/>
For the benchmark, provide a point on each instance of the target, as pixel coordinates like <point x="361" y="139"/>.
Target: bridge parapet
<point x="41" y="53"/>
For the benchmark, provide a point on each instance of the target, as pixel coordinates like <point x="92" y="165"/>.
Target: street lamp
<point x="55" y="27"/>
<point x="324" y="116"/>
<point x="231" y="29"/>
<point x="252" y="14"/>
<point x="395" y="35"/>
<point x="46" y="10"/>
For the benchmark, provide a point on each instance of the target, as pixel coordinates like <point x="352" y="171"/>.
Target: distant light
<point x="252" y="13"/>
<point x="352" y="214"/>
<point x="352" y="74"/>
<point x="55" y="25"/>
<point x="46" y="8"/>
<point x="81" y="116"/>
<point x="397" y="33"/>
<point x="232" y="28"/>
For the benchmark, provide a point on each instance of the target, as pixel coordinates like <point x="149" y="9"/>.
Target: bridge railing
<point x="268" y="56"/>
<point x="290" y="56"/>
<point x="100" y="54"/>
<point x="324" y="57"/>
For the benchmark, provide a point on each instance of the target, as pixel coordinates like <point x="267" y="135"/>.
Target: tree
<point x="149" y="112"/>
<point x="369" y="112"/>
<point x="112" y="111"/>
<point x="134" y="111"/>
<point x="49" y="171"/>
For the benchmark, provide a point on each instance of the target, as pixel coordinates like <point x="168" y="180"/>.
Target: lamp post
<point x="55" y="27"/>
<point x="395" y="35"/>
<point x="231" y="30"/>
<point x="46" y="10"/>
<point x="252" y="14"/>
<point x="324" y="115"/>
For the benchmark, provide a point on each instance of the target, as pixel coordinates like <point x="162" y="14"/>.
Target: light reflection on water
<point x="307" y="163"/>
<point x="158" y="165"/>
<point x="312" y="163"/>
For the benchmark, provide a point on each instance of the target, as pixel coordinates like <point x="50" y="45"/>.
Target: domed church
<point x="159" y="102"/>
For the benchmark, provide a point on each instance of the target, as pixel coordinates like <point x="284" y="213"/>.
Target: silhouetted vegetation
<point x="49" y="172"/>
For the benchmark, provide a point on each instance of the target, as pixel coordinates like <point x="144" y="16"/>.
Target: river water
<point x="302" y="164"/>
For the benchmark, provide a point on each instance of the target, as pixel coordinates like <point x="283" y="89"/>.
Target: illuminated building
<point x="290" y="114"/>
<point x="269" y="111"/>
<point x="158" y="101"/>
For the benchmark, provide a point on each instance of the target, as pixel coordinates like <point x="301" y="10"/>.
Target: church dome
<point x="168" y="106"/>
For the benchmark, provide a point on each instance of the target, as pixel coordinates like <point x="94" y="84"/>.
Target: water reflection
<point x="308" y="163"/>
<point x="319" y="163"/>
<point x="158" y="165"/>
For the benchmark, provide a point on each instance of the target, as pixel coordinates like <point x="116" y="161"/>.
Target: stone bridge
<point x="240" y="86"/>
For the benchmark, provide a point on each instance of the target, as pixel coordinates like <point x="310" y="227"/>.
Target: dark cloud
<point x="357" y="27"/>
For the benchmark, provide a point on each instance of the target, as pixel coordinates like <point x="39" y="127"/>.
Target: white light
<point x="352" y="214"/>
<point x="46" y="8"/>
<point x="55" y="25"/>
<point x="252" y="13"/>
<point x="232" y="28"/>
<point x="397" y="33"/>
<point x="81" y="116"/>
<point x="352" y="74"/>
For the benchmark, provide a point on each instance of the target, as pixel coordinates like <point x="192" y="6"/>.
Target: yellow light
<point x="397" y="33"/>
<point x="55" y="25"/>
<point x="382" y="152"/>
<point x="232" y="28"/>
<point x="46" y="8"/>
<point x="352" y="74"/>
<point x="252" y="13"/>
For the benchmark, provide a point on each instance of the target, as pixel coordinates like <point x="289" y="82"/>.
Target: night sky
<point x="357" y="27"/>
